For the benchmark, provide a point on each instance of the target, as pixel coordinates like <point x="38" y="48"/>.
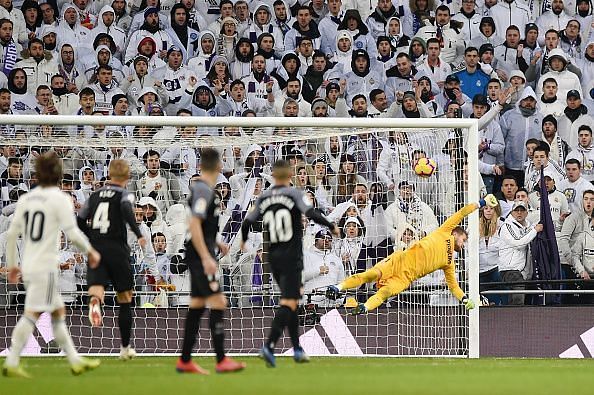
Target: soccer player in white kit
<point x="39" y="217"/>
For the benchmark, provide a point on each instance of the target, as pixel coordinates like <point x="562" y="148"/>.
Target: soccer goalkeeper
<point x="395" y="273"/>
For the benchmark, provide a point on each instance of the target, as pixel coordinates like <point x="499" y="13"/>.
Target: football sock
<point x="293" y="327"/>
<point x="63" y="338"/>
<point x="359" y="279"/>
<point x="125" y="323"/>
<point x="380" y="297"/>
<point x="20" y="335"/>
<point x="190" y="332"/>
<point x="281" y="319"/>
<point x="217" y="333"/>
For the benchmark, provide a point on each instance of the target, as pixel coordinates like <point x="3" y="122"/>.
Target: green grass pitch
<point x="331" y="376"/>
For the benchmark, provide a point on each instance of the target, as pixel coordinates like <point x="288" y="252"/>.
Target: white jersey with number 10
<point x="38" y="218"/>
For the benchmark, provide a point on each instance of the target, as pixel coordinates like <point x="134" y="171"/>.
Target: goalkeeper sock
<point x="293" y="326"/>
<point x="125" y="323"/>
<point x="20" y="335"/>
<point x="192" y="325"/>
<point x="63" y="338"/>
<point x="380" y="297"/>
<point x="357" y="280"/>
<point x="217" y="333"/>
<point x="281" y="319"/>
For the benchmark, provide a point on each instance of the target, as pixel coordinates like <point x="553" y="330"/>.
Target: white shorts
<point x="43" y="292"/>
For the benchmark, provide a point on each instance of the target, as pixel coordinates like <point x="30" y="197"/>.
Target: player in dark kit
<point x="201" y="251"/>
<point x="280" y="209"/>
<point x="104" y="218"/>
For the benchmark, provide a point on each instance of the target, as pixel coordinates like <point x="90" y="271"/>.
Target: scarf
<point x="149" y="28"/>
<point x="411" y="114"/>
<point x="283" y="26"/>
<point x="527" y="112"/>
<point x="575" y="114"/>
<point x="557" y="153"/>
<point x="69" y="72"/>
<point x="548" y="101"/>
<point x="182" y="33"/>
<point x="10" y="57"/>
<point x="409" y="207"/>
<point x="60" y="91"/>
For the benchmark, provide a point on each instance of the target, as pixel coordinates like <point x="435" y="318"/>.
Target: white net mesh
<point x="362" y="178"/>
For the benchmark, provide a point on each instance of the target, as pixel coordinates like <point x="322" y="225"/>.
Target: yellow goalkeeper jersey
<point x="433" y="252"/>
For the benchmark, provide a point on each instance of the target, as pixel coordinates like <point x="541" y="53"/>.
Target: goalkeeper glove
<point x="468" y="303"/>
<point x="489" y="200"/>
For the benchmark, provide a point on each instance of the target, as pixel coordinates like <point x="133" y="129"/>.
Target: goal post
<point x="423" y="321"/>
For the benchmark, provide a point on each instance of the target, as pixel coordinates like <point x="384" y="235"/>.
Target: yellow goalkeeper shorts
<point x="395" y="285"/>
<point x="390" y="266"/>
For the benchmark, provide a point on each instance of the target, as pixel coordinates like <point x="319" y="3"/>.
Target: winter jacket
<point x="489" y="248"/>
<point x="517" y="129"/>
<point x="586" y="158"/>
<point x="583" y="251"/>
<point x="38" y="73"/>
<point x="452" y="50"/>
<point x="549" y="20"/>
<point x="573" y="227"/>
<point x="470" y="27"/>
<point x="505" y="14"/>
<point x="566" y="80"/>
<point x="515" y="241"/>
<point x="167" y="195"/>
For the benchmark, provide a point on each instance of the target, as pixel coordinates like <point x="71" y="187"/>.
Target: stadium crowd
<point x="524" y="69"/>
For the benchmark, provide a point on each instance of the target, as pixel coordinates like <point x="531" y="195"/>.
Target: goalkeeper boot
<point x="84" y="365"/>
<point x="189" y="367"/>
<point x="127" y="353"/>
<point x="229" y="365"/>
<point x="95" y="315"/>
<point x="332" y="292"/>
<point x="17" y="372"/>
<point x="300" y="356"/>
<point x="268" y="355"/>
<point x="360" y="309"/>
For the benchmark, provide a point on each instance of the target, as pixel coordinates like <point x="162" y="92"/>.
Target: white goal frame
<point x="363" y="123"/>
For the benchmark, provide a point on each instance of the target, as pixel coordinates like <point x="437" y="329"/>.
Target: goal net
<point x="361" y="173"/>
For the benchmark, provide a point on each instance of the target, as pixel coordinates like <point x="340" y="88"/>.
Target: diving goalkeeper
<point x="435" y="251"/>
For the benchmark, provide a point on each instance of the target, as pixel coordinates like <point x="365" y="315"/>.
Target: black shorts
<point x="289" y="281"/>
<point x="114" y="268"/>
<point x="202" y="287"/>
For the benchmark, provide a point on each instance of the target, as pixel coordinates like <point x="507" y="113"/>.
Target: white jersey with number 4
<point x="39" y="217"/>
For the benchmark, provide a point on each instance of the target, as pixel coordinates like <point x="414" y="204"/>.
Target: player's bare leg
<point x="125" y="323"/>
<point x="96" y="297"/>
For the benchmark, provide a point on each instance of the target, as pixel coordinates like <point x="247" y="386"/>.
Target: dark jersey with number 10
<point x="106" y="214"/>
<point x="280" y="210"/>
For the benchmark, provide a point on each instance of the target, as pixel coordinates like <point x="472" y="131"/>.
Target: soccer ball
<point x="425" y="167"/>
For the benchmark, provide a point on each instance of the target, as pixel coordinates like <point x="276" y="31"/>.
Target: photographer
<point x="321" y="267"/>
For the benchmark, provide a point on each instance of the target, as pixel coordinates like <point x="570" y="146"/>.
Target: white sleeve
<point x="14" y="231"/>
<point x="149" y="254"/>
<point x="65" y="214"/>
